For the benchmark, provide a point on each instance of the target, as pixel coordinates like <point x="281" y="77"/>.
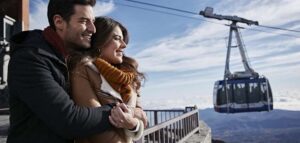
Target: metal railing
<point x="170" y="126"/>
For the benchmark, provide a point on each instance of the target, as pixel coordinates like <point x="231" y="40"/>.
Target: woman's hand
<point x="140" y="114"/>
<point x="122" y="117"/>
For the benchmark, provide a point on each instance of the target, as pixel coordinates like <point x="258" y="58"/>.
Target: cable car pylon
<point x="241" y="91"/>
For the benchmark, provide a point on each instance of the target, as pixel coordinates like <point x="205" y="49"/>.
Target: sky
<point x="183" y="54"/>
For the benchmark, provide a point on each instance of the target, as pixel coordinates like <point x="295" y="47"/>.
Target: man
<point x="41" y="110"/>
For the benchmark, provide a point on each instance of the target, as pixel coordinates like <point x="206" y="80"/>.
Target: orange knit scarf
<point x="119" y="80"/>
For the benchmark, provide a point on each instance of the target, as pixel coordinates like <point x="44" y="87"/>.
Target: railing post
<point x="155" y="118"/>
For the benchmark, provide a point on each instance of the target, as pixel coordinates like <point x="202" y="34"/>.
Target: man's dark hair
<point x="64" y="8"/>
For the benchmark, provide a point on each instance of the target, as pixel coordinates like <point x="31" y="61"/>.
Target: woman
<point x="103" y="75"/>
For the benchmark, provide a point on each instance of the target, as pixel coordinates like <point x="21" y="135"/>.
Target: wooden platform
<point x="203" y="136"/>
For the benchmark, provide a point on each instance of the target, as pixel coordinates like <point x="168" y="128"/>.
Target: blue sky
<point x="183" y="57"/>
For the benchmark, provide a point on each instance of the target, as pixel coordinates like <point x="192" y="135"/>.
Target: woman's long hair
<point x="131" y="65"/>
<point x="104" y="32"/>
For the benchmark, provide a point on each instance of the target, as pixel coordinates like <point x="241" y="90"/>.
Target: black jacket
<point x="41" y="110"/>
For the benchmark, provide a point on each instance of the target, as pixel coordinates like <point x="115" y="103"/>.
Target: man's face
<point x="78" y="31"/>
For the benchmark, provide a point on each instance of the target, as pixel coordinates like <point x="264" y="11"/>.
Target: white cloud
<point x="103" y="8"/>
<point x="190" y="51"/>
<point x="38" y="19"/>
<point x="267" y="12"/>
<point x="201" y="102"/>
<point x="287" y="99"/>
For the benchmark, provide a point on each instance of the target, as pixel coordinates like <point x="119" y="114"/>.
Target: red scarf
<point x="53" y="38"/>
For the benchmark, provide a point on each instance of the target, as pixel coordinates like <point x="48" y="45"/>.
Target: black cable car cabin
<point x="243" y="95"/>
<point x="246" y="91"/>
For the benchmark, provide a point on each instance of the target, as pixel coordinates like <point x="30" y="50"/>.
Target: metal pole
<point x="227" y="73"/>
<point x="242" y="50"/>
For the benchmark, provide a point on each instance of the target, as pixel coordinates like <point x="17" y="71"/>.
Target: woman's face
<point x="113" y="51"/>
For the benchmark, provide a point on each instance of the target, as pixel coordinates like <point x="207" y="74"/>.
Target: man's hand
<point x="122" y="117"/>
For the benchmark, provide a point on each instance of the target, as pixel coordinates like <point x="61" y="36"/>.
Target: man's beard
<point x="73" y="47"/>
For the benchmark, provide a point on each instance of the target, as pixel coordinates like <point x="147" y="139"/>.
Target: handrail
<point x="164" y="124"/>
<point x="173" y="130"/>
<point x="161" y="115"/>
<point x="158" y="116"/>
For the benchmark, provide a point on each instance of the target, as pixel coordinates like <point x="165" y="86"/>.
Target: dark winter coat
<point x="41" y="110"/>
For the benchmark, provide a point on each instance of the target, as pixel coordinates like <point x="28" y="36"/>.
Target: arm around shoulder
<point x="39" y="85"/>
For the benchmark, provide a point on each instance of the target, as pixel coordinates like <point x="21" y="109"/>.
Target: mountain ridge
<point x="274" y="126"/>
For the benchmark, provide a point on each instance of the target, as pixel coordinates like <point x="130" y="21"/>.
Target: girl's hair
<point x="130" y="65"/>
<point x="104" y="27"/>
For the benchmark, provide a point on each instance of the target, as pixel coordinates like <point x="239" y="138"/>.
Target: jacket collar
<point x="55" y="41"/>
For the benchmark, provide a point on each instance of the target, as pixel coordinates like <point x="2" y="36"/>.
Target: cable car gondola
<point x="243" y="95"/>
<point x="244" y="91"/>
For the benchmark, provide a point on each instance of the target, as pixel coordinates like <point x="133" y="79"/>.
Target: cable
<point x="189" y="12"/>
<point x="278" y="28"/>
<point x="159" y="11"/>
<point x="288" y="35"/>
<point x="183" y="16"/>
<point x="155" y="5"/>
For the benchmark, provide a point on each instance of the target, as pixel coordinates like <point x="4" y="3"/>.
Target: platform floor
<point x="203" y="136"/>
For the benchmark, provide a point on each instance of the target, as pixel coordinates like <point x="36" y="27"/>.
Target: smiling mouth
<point x="119" y="52"/>
<point x="88" y="37"/>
